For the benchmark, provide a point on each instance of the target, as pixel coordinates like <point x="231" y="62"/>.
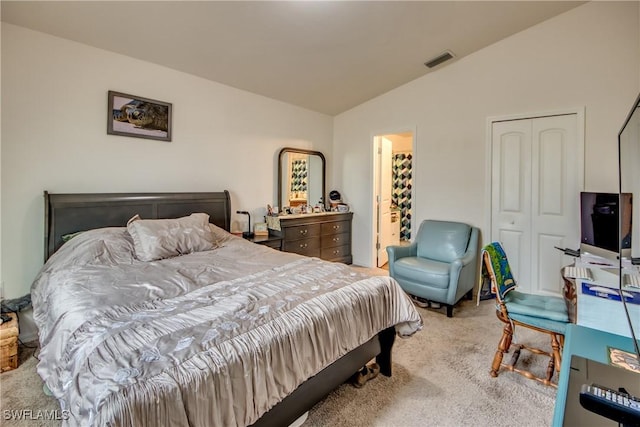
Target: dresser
<point x="325" y="235"/>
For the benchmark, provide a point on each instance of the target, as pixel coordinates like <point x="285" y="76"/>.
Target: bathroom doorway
<point x="393" y="187"/>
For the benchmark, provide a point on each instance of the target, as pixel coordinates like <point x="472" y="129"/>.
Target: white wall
<point x="588" y="57"/>
<point x="54" y="112"/>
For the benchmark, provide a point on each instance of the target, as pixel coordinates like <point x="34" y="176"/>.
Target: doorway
<point x="393" y="191"/>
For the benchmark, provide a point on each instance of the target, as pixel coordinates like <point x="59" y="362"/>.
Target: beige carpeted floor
<point x="440" y="378"/>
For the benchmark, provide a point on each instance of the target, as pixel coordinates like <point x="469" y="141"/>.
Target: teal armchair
<point x="440" y="265"/>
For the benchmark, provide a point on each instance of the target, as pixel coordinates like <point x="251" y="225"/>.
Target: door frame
<point x="373" y="253"/>
<point x="580" y="132"/>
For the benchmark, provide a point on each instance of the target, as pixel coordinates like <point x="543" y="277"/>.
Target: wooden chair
<point x="545" y="314"/>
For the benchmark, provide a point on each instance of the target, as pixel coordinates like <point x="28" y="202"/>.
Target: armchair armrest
<point x="472" y="248"/>
<point x="464" y="268"/>
<point x="397" y="252"/>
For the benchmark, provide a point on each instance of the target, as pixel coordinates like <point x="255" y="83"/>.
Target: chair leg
<point x="550" y="370"/>
<point x="503" y="347"/>
<point x="449" y="311"/>
<point x="557" y="345"/>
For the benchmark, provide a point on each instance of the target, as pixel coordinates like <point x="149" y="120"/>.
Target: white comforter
<point x="213" y="338"/>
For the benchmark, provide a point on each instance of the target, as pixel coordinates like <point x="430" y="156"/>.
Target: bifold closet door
<point x="535" y="186"/>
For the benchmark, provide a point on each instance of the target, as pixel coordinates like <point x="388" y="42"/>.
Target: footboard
<point x="319" y="386"/>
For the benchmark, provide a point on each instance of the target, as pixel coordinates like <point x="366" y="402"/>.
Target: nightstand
<point x="274" y="242"/>
<point x="9" y="344"/>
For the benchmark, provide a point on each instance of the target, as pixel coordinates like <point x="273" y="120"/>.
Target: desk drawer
<point x="336" y="227"/>
<point x="301" y="232"/>
<point x="333" y="240"/>
<point x="308" y="247"/>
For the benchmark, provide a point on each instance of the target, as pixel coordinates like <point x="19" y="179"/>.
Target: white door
<point x="535" y="185"/>
<point x="384" y="199"/>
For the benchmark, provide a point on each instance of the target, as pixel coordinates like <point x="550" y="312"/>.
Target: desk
<point x="599" y="312"/>
<point x="590" y="344"/>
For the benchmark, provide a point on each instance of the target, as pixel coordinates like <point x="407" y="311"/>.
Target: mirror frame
<point x="635" y="112"/>
<point x="286" y="150"/>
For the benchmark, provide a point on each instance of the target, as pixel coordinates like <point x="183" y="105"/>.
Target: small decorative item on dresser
<point x="9" y="343"/>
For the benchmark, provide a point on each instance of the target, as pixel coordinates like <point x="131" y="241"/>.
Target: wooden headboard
<point x="70" y="213"/>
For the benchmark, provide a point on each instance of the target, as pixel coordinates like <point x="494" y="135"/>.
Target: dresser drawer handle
<point x="336" y="227"/>
<point x="336" y="239"/>
<point x="336" y="252"/>
<point x="303" y="245"/>
<point x="304" y="231"/>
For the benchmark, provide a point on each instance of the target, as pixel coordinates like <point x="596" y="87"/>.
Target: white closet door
<point x="511" y="194"/>
<point x="535" y="197"/>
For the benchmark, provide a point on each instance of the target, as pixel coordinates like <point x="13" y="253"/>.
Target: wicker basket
<point x="9" y="344"/>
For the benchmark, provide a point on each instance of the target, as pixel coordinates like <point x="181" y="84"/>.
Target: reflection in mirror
<point x="301" y="177"/>
<point x="629" y="152"/>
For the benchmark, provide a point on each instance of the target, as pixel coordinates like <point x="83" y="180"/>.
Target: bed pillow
<point x="219" y="233"/>
<point x="155" y="239"/>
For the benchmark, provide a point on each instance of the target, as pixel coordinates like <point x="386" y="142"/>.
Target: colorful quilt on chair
<point x="500" y="269"/>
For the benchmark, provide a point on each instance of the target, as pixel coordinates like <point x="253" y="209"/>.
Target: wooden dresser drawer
<point x="308" y="247"/>
<point x="338" y="252"/>
<point x="336" y="227"/>
<point x="301" y="232"/>
<point x="326" y="236"/>
<point x="333" y="240"/>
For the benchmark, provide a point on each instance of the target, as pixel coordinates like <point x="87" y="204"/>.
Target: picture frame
<point x="138" y="117"/>
<point x="260" y="229"/>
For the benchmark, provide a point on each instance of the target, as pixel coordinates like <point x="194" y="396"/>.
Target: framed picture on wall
<point x="131" y="115"/>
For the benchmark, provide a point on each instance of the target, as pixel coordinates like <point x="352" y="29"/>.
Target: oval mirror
<point x="301" y="177"/>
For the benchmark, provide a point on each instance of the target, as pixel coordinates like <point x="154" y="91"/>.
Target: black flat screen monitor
<point x="600" y="216"/>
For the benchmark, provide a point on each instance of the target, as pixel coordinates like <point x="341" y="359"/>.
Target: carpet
<point x="440" y="378"/>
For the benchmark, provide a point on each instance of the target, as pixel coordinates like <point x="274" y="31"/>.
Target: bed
<point x="233" y="334"/>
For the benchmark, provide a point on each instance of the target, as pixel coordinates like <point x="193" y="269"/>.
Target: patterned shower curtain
<point x="299" y="175"/>
<point x="401" y="196"/>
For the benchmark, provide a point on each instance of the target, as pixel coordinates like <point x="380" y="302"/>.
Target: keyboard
<point x="616" y="405"/>
<point x="578" y="273"/>
<point x="632" y="280"/>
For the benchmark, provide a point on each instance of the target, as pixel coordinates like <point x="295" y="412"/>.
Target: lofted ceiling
<point x="326" y="56"/>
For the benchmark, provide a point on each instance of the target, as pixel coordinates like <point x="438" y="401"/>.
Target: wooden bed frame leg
<point x="387" y="337"/>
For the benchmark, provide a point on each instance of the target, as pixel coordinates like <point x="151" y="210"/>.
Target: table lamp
<point x="246" y="234"/>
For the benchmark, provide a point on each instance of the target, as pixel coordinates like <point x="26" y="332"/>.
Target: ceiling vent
<point x="447" y="55"/>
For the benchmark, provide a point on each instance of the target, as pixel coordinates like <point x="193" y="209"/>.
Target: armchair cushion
<point x="423" y="270"/>
<point x="443" y="240"/>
